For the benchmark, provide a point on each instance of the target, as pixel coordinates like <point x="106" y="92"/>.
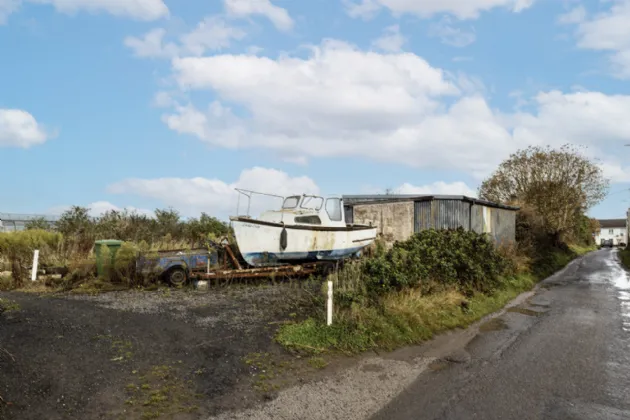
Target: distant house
<point x="615" y="229"/>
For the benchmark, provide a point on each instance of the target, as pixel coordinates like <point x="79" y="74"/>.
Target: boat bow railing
<point x="249" y="194"/>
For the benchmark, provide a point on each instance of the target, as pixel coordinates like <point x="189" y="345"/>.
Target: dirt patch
<point x="136" y="355"/>
<point x="495" y="324"/>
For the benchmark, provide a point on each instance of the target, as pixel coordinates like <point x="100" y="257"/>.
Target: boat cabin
<point x="311" y="210"/>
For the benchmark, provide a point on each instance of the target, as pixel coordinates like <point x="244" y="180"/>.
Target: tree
<point x="560" y="185"/>
<point x="206" y="227"/>
<point x="38" y="223"/>
<point x="168" y="222"/>
<point x="77" y="228"/>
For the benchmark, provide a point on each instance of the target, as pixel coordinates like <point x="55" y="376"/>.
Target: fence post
<point x="330" y="303"/>
<point x="35" y="261"/>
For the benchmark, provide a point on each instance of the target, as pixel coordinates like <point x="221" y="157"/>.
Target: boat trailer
<point x="231" y="268"/>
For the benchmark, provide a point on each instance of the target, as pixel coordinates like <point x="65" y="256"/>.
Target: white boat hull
<point x="260" y="243"/>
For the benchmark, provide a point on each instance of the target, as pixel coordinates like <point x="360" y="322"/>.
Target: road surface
<point x="564" y="355"/>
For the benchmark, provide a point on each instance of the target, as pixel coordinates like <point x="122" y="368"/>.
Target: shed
<point x="398" y="217"/>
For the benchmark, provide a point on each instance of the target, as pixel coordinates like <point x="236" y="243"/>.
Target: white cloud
<point x="607" y="31"/>
<point x="449" y="34"/>
<point x="152" y="45"/>
<point x="365" y="9"/>
<point x="163" y="99"/>
<point x="437" y="188"/>
<point x="615" y="171"/>
<point x="575" y="15"/>
<point x="391" y="40"/>
<point x="244" y="8"/>
<point x="213" y="33"/>
<point x="216" y="197"/>
<point x="137" y="9"/>
<point x="461" y="9"/>
<point x="340" y="101"/>
<point x="20" y="129"/>
<point x="97" y="209"/>
<point x="8" y="7"/>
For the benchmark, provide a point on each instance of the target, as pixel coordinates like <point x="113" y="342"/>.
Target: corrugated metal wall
<point x="349" y="214"/>
<point x="476" y="218"/>
<point x="499" y="223"/>
<point x="451" y="214"/>
<point x="441" y="214"/>
<point x="503" y="225"/>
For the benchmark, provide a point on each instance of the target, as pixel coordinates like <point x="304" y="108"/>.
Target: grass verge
<point x="624" y="256"/>
<point x="409" y="317"/>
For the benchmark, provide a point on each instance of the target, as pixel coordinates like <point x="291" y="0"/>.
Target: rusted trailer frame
<point x="231" y="267"/>
<point x="248" y="273"/>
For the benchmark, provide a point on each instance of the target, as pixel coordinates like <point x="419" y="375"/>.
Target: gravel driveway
<point x="136" y="354"/>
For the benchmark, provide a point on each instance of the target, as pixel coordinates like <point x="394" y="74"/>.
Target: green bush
<point x="449" y="257"/>
<point x="125" y="263"/>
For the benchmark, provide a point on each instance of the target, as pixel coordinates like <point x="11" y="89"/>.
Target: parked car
<point x="177" y="266"/>
<point x="607" y="243"/>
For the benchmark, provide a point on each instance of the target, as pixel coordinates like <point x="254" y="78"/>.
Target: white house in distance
<point x="614" y="229"/>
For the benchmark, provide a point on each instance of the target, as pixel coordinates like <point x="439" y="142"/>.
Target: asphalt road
<point x="564" y="355"/>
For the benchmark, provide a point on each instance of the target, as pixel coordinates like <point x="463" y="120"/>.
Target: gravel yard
<point x="136" y="354"/>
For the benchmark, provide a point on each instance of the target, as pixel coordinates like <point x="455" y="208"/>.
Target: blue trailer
<point x="177" y="266"/>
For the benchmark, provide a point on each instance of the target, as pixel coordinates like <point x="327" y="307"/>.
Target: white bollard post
<point x="330" y="303"/>
<point x="35" y="261"/>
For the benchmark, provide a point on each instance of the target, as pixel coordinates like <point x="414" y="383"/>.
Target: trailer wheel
<point x="176" y="277"/>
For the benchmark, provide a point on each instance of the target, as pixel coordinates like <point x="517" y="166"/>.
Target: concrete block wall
<point x="395" y="221"/>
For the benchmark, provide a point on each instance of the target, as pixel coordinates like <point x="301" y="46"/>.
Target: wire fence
<point x="10" y="222"/>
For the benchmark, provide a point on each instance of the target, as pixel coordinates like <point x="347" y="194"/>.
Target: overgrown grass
<point x="582" y="249"/>
<point x="402" y="318"/>
<point x="412" y="315"/>
<point x="624" y="256"/>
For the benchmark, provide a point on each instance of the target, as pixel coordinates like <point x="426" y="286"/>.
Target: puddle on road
<point x="439" y="365"/>
<point x="619" y="278"/>
<point x="495" y="324"/>
<point x="524" y="311"/>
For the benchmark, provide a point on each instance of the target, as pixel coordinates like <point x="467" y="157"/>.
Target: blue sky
<point x="157" y="103"/>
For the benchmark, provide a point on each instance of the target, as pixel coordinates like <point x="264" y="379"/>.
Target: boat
<point x="305" y="228"/>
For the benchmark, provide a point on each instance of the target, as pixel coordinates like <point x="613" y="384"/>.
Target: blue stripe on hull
<point x="266" y="258"/>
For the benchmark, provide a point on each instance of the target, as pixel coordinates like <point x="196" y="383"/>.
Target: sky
<point x="145" y="104"/>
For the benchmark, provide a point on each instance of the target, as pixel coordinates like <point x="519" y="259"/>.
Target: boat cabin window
<point x="291" y="202"/>
<point x="312" y="202"/>
<point x="333" y="208"/>
<point x="309" y="220"/>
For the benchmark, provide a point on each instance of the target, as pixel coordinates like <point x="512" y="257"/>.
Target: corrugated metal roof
<point x="612" y="223"/>
<point x="385" y="198"/>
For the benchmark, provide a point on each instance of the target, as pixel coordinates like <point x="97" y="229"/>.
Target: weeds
<point x="160" y="391"/>
<point x="7" y="305"/>
<point x="317" y="362"/>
